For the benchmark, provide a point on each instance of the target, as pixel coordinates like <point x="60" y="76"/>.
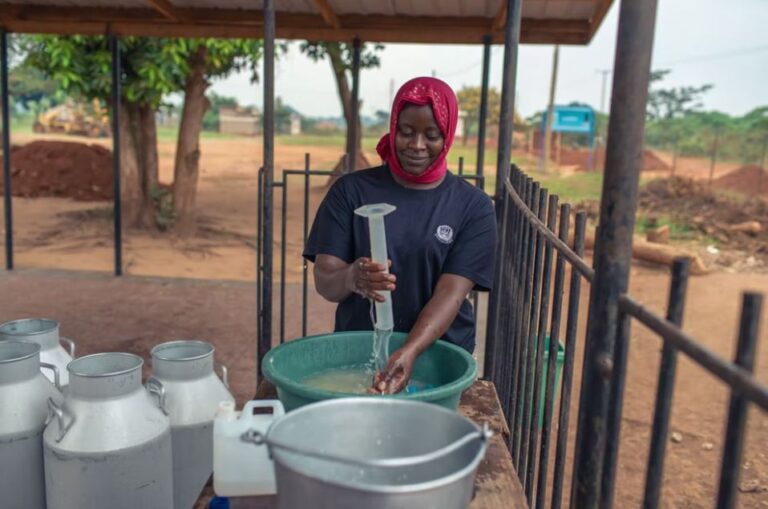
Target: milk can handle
<point x="55" y="411"/>
<point x="56" y="377"/>
<point x="156" y="388"/>
<point x="224" y="373"/>
<point x="70" y="345"/>
<point x="483" y="435"/>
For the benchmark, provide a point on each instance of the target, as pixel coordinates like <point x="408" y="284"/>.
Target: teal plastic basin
<point x="447" y="367"/>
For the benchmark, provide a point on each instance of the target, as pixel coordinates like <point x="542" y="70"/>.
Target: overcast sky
<point x="700" y="41"/>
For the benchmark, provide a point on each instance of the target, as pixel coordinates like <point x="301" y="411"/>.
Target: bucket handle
<point x="56" y="377"/>
<point x="483" y="435"/>
<point x="57" y="412"/>
<point x="224" y="373"/>
<point x="156" y="388"/>
<point x="70" y="344"/>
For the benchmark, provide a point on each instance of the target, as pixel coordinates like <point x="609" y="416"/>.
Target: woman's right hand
<point x="367" y="278"/>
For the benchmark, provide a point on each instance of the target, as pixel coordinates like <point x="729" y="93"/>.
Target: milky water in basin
<point x="448" y="368"/>
<point x="354" y="379"/>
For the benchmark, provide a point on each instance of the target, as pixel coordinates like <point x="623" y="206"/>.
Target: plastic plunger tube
<point x="375" y="214"/>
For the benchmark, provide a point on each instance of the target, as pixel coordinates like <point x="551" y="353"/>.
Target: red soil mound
<point x="750" y="180"/>
<point x="61" y="169"/>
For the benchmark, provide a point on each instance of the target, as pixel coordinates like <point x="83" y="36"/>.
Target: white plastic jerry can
<point x="240" y="468"/>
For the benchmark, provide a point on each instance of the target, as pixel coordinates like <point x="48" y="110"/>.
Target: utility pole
<point x="550" y="108"/>
<point x="605" y="73"/>
<point x="713" y="158"/>
<point x="391" y="91"/>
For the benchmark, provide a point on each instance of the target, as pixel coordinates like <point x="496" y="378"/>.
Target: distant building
<point x="460" y="125"/>
<point x="240" y="121"/>
<point x="167" y="117"/>
<point x="295" y="124"/>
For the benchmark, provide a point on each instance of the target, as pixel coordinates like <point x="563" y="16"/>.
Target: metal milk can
<point x="192" y="394"/>
<point x="24" y="394"/>
<point x="44" y="332"/>
<point x="108" y="444"/>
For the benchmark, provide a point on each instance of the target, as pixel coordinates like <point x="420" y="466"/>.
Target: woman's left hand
<point x="397" y="373"/>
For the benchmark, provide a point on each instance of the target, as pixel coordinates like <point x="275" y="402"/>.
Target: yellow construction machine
<point x="74" y="118"/>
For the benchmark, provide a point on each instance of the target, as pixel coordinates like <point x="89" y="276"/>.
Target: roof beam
<point x="501" y="16"/>
<point x="327" y="13"/>
<point x="600" y="11"/>
<point x="166" y="8"/>
<point x="233" y="23"/>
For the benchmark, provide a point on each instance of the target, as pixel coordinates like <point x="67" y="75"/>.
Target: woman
<point x="440" y="240"/>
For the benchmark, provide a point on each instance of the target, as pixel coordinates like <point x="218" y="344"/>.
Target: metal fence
<point x="525" y="317"/>
<point x="540" y="240"/>
<point x="302" y="179"/>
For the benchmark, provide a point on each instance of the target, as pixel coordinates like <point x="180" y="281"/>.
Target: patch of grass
<point x="171" y="134"/>
<point x="22" y="124"/>
<point x="677" y="230"/>
<point x="315" y="140"/>
<point x="572" y="188"/>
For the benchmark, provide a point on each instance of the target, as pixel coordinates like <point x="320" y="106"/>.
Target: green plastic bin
<point x="558" y="373"/>
<point x="449" y="368"/>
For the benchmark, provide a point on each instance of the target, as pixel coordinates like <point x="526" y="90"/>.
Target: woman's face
<point x="418" y="140"/>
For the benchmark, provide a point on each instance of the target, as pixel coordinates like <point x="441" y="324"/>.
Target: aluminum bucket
<point x="375" y="453"/>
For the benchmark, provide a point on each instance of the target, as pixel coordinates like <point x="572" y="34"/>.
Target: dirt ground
<point x="219" y="305"/>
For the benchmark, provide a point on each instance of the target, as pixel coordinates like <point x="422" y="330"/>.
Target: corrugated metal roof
<point x="467" y="21"/>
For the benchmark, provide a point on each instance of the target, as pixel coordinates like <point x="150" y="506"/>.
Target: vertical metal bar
<point x="613" y="251"/>
<point x="665" y="387"/>
<point x="615" y="408"/>
<point x="523" y="329"/>
<point x="499" y="344"/>
<point x="305" y="264"/>
<point x="483" y="106"/>
<point x="509" y="73"/>
<point x="508" y="88"/>
<point x="531" y="336"/>
<point x="283" y="248"/>
<point x="511" y="265"/>
<point x="114" y="46"/>
<point x="520" y="276"/>
<point x="352" y="127"/>
<point x="7" y="179"/>
<point x="259" y="252"/>
<point x="554" y="343"/>
<point x="493" y="340"/>
<point x="571" y="328"/>
<point x="461" y="165"/>
<point x="733" y="446"/>
<point x="265" y="341"/>
<point x="539" y="338"/>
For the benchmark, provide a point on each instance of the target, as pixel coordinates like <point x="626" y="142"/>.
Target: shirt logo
<point x="444" y="234"/>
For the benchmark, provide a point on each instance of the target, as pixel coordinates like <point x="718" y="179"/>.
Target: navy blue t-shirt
<point x="449" y="229"/>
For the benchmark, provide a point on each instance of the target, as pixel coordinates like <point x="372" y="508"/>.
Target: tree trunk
<point x="132" y="194"/>
<point x="186" y="167"/>
<point x="148" y="133"/>
<point x="345" y="95"/>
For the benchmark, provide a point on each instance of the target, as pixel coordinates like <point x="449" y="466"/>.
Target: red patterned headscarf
<point x="445" y="109"/>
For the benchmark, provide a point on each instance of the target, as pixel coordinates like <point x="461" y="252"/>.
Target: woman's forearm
<point x="331" y="276"/>
<point x="439" y="313"/>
